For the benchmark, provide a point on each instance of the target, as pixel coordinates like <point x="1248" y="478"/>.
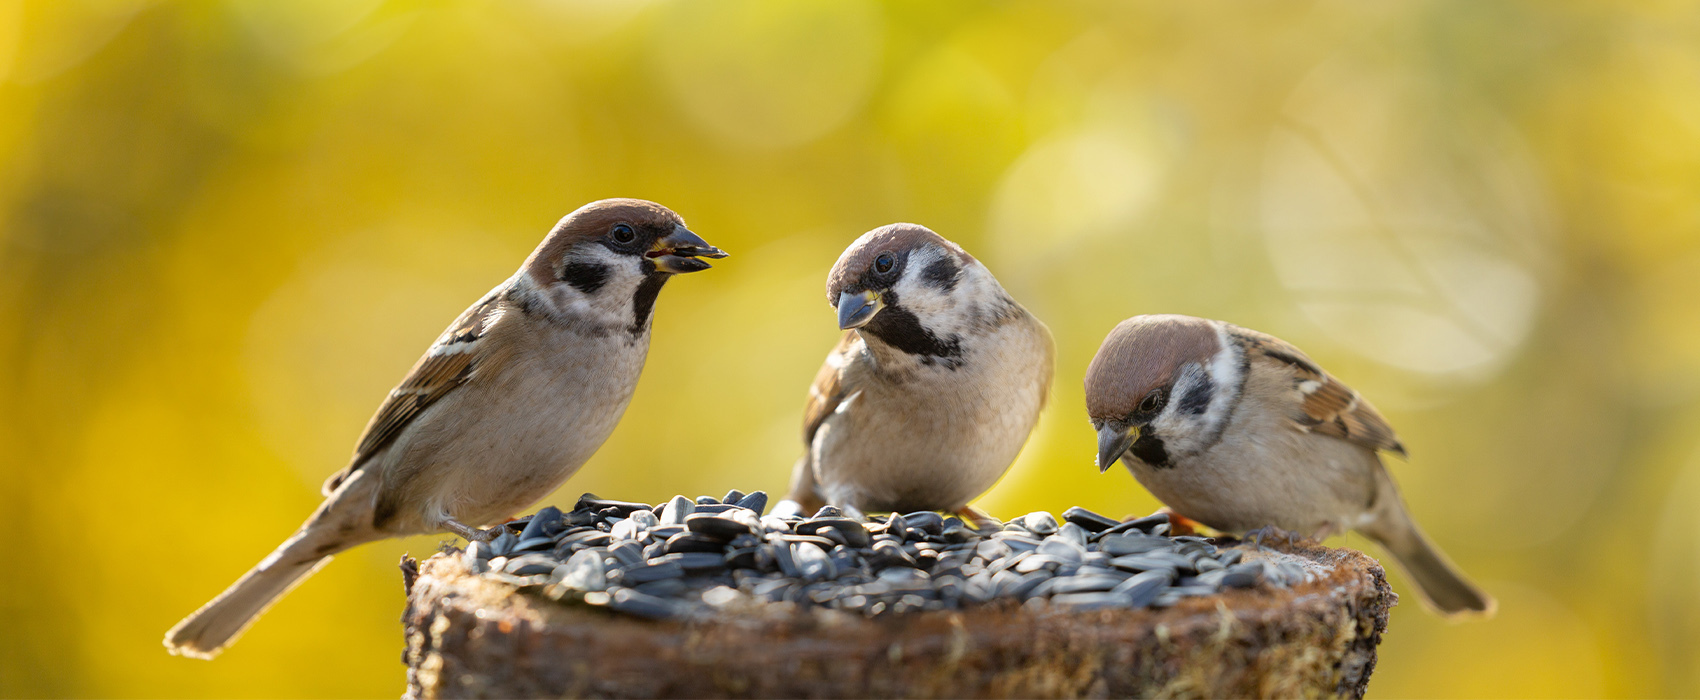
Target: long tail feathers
<point x="206" y="632"/>
<point x="1443" y="587"/>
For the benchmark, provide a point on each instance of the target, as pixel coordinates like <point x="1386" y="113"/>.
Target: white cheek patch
<point x="1203" y="400"/>
<point x="914" y="292"/>
<point x="608" y="304"/>
<point x="1227" y="373"/>
<point x="948" y="309"/>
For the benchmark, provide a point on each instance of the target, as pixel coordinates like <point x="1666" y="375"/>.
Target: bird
<point x="933" y="388"/>
<point x="503" y="408"/>
<point x="1241" y="431"/>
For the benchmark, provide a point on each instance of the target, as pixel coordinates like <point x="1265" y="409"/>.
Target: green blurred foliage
<point x="227" y="227"/>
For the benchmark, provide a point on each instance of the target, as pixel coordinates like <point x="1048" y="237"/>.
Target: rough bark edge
<point x="470" y="637"/>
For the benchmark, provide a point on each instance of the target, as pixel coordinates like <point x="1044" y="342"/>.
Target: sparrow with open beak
<point x="1239" y="430"/>
<point x="506" y="405"/>
<point x="932" y="391"/>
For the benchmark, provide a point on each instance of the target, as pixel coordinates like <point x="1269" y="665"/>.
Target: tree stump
<point x="469" y="635"/>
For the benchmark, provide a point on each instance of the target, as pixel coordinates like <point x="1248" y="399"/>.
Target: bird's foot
<point x="471" y="534"/>
<point x="1269" y="534"/>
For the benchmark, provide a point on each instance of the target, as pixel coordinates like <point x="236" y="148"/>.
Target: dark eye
<point x="623" y="233"/>
<point x="1152" y="402"/>
<point x="883" y="263"/>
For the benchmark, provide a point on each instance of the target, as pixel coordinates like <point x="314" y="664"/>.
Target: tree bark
<point x="469" y="636"/>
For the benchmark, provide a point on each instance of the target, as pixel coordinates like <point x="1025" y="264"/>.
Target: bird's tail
<point x="342" y="521"/>
<point x="206" y="632"/>
<point x="1443" y="587"/>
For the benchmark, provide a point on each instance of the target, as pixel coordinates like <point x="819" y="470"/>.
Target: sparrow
<point x="1239" y="430"/>
<point x="933" y="388"/>
<point x="506" y="405"/>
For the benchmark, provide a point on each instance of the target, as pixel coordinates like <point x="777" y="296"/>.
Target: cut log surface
<point x="477" y="635"/>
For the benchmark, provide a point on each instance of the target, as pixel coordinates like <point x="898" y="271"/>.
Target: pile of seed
<point x="686" y="558"/>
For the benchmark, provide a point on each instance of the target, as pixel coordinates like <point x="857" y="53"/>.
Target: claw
<point x="1270" y="533"/>
<point x="471" y="534"/>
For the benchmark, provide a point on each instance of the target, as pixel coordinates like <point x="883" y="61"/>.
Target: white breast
<point x="513" y="434"/>
<point x="1267" y="471"/>
<point x="935" y="438"/>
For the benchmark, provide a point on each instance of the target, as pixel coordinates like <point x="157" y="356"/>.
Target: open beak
<point x="856" y="310"/>
<point x="1112" y="443"/>
<point x="678" y="252"/>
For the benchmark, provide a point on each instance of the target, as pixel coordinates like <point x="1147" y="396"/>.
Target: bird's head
<point x="611" y="257"/>
<point x="913" y="290"/>
<point x="1161" y="387"/>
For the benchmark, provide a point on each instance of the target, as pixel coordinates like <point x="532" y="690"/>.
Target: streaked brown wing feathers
<point x="446" y="365"/>
<point x="1328" y="406"/>
<point x="828" y="389"/>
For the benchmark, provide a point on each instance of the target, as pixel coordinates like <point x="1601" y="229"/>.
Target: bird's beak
<point x="677" y="252"/>
<point x="856" y="310"/>
<point x="1112" y="442"/>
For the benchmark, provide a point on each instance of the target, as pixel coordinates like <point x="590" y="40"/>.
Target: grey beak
<point x="856" y="310"/>
<point x="1112" y="443"/>
<point x="677" y="252"/>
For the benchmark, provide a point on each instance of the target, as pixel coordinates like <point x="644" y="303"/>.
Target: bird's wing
<point x="830" y="387"/>
<point x="1326" y="405"/>
<point x="449" y="362"/>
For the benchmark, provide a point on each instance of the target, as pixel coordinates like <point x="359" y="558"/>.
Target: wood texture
<point x="471" y="637"/>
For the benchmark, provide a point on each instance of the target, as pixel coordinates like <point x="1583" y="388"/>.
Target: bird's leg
<point x="854" y="513"/>
<point x="1180" y="524"/>
<point x="1269" y="533"/>
<point x="979" y="519"/>
<point x="470" y="534"/>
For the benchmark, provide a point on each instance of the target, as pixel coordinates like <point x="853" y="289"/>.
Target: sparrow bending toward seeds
<point x="1239" y="430"/>
<point x="932" y="391"/>
<point x="506" y="405"/>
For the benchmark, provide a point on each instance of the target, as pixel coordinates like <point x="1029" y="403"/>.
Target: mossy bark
<point x="470" y="637"/>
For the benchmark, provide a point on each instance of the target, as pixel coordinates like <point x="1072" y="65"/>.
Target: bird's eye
<point x="883" y="263"/>
<point x="1152" y="402"/>
<point x="623" y="233"/>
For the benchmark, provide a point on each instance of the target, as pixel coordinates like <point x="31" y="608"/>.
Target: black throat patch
<point x="899" y="328"/>
<point x="1149" y="449"/>
<point x="643" y="301"/>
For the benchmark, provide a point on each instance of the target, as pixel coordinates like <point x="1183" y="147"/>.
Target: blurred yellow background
<point x="228" y="227"/>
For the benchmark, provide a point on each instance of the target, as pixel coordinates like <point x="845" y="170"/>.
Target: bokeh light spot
<point x="765" y="74"/>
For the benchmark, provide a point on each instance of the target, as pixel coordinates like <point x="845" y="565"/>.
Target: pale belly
<point x="521" y="442"/>
<point x="909" y="448"/>
<point x="1298" y="482"/>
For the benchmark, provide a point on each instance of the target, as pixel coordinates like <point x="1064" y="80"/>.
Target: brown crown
<point x="1141" y="354"/>
<point x="594" y="220"/>
<point x="892" y="238"/>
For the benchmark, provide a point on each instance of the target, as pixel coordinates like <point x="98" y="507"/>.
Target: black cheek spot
<point x="941" y="273"/>
<point x="643" y="302"/>
<point x="585" y="277"/>
<point x="1149" y="449"/>
<point x="1197" y="399"/>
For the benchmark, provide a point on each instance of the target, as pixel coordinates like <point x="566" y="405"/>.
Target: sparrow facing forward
<point x="508" y="402"/>
<point x="934" y="387"/>
<point x="1240" y="430"/>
